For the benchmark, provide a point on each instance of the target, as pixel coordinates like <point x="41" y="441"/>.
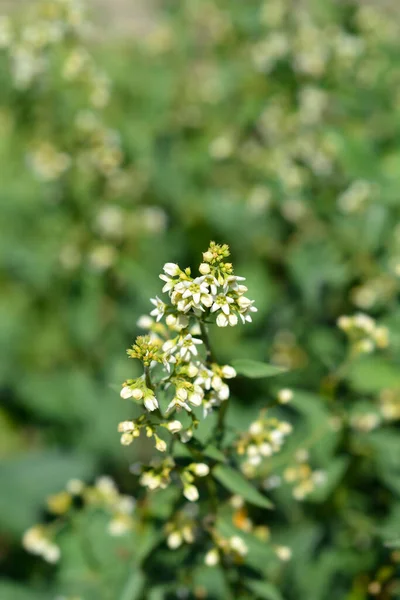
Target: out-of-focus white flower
<point x="159" y="309"/>
<point x="191" y="493"/>
<point x="212" y="557"/>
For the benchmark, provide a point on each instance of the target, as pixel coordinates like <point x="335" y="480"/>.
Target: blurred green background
<point x="134" y="138"/>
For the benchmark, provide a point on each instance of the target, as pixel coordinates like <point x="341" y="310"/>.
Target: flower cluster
<point x="363" y="333"/>
<point x="264" y="437"/>
<point x="233" y="549"/>
<point x="216" y="291"/>
<point x="182" y="528"/>
<point x="104" y="495"/>
<point x="39" y="540"/>
<point x="305" y="479"/>
<point x="190" y="376"/>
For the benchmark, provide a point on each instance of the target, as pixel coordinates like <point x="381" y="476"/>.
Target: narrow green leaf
<point x="255" y="369"/>
<point x="263" y="589"/>
<point x="212" y="452"/>
<point x="236" y="483"/>
<point x="134" y="586"/>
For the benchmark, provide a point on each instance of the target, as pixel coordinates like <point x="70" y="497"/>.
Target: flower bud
<point x="171" y="269"/>
<point x="285" y="395"/>
<point x="201" y="469"/>
<point x="137" y="394"/>
<point x="191" y="493"/>
<point x="211" y="558"/>
<point x="228" y="372"/>
<point x="204" y="268"/>
<point x="126" y="392"/>
<point x="174" y="426"/>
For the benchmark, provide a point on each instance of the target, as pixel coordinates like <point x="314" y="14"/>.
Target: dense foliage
<point x="272" y="126"/>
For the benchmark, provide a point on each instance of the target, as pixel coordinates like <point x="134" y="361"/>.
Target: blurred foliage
<point x="272" y="126"/>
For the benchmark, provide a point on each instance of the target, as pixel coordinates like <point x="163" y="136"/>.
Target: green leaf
<point x="212" y="452"/>
<point x="29" y="479"/>
<point x="255" y="369"/>
<point x="263" y="589"/>
<point x="236" y="483"/>
<point x="12" y="591"/>
<point x="133" y="587"/>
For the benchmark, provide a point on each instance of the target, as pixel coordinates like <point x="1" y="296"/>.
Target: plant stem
<point x="206" y="342"/>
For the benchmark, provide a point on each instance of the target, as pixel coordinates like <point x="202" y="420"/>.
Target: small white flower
<point x="174" y="426"/>
<point x="223" y="392"/>
<point x="191" y="493"/>
<point x="200" y="469"/>
<point x="284" y="553"/>
<point x="75" y="487"/>
<point x="222" y="302"/>
<point x="186" y="436"/>
<point x="204" y="378"/>
<point x="51" y="553"/>
<point x="211" y="558"/>
<point x="137" y="394"/>
<point x="159" y="309"/>
<point x="171" y="269"/>
<point x="188" y="347"/>
<point x="256" y="428"/>
<point x="126" y="392"/>
<point x="204" y="268"/>
<point x="174" y="540"/>
<point x="285" y="395"/>
<point x="151" y="403"/>
<point x="196" y="397"/>
<point x="194" y="290"/>
<point x="228" y="372"/>
<point x="238" y="545"/>
<point x="160" y="444"/>
<point x="266" y="449"/>
<point x="145" y="322"/>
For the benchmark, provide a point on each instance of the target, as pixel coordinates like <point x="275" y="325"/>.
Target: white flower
<point x="119" y="525"/>
<point x="196" y="397"/>
<point x="228" y="372"/>
<point x="126" y="426"/>
<point x="188" y="347"/>
<point x="238" y="545"/>
<point x="160" y="444"/>
<point x="285" y="395"/>
<point x="204" y="268"/>
<point x="194" y="290"/>
<point x="266" y="449"/>
<point x="179" y="402"/>
<point x="137" y="394"/>
<point x="200" y="469"/>
<point x="186" y="436"/>
<point x="150" y="480"/>
<point x="222" y="302"/>
<point x="223" y="392"/>
<point x="256" y="428"/>
<point x="150" y="403"/>
<point x="51" y="553"/>
<point x="223" y="320"/>
<point x="204" y="378"/>
<point x="191" y="493"/>
<point x="75" y="487"/>
<point x="126" y="392"/>
<point x="171" y="269"/>
<point x="212" y="558"/>
<point x="174" y="540"/>
<point x="159" y="309"/>
<point x="174" y="426"/>
<point x="283" y="553"/>
<point x="145" y="322"/>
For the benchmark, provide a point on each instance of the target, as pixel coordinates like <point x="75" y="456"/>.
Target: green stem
<point x="206" y="342"/>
